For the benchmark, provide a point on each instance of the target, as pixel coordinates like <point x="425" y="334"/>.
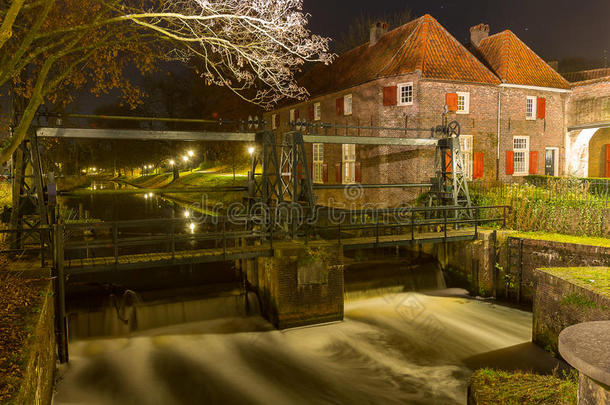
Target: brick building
<point x="511" y="106"/>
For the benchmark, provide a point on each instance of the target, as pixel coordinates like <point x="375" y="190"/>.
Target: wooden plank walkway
<point x="162" y="259"/>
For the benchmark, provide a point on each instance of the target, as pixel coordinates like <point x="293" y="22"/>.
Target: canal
<point x="194" y="341"/>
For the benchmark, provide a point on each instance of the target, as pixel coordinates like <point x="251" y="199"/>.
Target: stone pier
<point x="300" y="285"/>
<point x="585" y="346"/>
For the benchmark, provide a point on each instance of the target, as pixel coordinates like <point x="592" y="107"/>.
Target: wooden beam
<point x="144" y="135"/>
<point x="369" y="140"/>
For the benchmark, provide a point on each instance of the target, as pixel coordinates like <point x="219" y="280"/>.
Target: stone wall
<point x="553" y="313"/>
<point x="40" y="356"/>
<point x="300" y="285"/>
<point x="483" y="271"/>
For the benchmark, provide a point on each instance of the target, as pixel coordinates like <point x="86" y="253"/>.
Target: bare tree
<point x="50" y="47"/>
<point x="358" y="31"/>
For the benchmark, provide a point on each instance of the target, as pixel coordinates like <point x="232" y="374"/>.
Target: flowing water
<point x="399" y="348"/>
<point x="393" y="347"/>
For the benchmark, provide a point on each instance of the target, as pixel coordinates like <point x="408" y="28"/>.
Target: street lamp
<point x="172" y="162"/>
<point x="251" y="150"/>
<point x="185" y="158"/>
<point x="190" y="153"/>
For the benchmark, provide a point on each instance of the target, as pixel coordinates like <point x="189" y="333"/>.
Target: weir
<point x="291" y="248"/>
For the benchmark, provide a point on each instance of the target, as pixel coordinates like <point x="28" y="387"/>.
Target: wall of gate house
<point x="391" y="164"/>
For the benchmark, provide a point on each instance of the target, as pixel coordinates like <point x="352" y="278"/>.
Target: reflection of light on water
<point x="392" y="349"/>
<point x="187" y="214"/>
<point x="192" y="227"/>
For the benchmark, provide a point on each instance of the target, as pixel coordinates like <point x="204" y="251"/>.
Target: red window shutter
<point x="277" y="120"/>
<point x="533" y="162"/>
<point x="325" y="172"/>
<point x="296" y="115"/>
<point x="607" y="160"/>
<point x="390" y="95"/>
<point x="451" y="99"/>
<point x="311" y="113"/>
<point x="477" y="166"/>
<point x="338" y="172"/>
<point x="510" y="162"/>
<point x="299" y="171"/>
<point x="448" y="163"/>
<point x="358" y="174"/>
<point x="541" y="108"/>
<point x="339" y="105"/>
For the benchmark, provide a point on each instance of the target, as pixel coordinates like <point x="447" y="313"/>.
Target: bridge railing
<point x="170" y="236"/>
<point x="416" y="222"/>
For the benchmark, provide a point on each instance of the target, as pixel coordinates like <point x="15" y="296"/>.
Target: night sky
<point x="555" y="29"/>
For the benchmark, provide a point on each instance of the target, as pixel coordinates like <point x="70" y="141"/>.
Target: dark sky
<point x="555" y="29"/>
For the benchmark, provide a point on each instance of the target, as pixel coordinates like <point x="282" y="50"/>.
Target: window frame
<point x="317" y="158"/>
<point x="317" y="111"/>
<point x="347" y="111"/>
<point x="273" y="121"/>
<point x="399" y="88"/>
<point x="292" y="115"/>
<point x="534" y="112"/>
<point x="348" y="174"/>
<point x="526" y="157"/>
<point x="466" y="96"/>
<point x="467" y="156"/>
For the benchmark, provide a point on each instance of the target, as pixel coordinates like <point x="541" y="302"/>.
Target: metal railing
<point x="410" y="222"/>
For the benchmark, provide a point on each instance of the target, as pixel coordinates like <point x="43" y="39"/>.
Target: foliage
<point x="579" y="301"/>
<point x="561" y="206"/>
<point x="359" y="30"/>
<point x="6" y="194"/>
<point x="498" y="387"/>
<point x="51" y="47"/>
<point x="19" y="299"/>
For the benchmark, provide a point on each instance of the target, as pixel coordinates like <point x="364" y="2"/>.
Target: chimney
<point x="478" y="33"/>
<point x="378" y="30"/>
<point x="554" y="64"/>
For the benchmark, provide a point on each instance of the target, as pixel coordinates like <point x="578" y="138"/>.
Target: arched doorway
<point x="598" y="157"/>
<point x="577" y="151"/>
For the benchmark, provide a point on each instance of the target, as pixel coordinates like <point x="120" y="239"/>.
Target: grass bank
<point x="495" y="387"/>
<point x="215" y="177"/>
<point x="596" y="279"/>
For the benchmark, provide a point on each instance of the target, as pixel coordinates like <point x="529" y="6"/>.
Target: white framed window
<point x="292" y="115"/>
<point x="273" y="121"/>
<point x="467" y="155"/>
<point x="463" y="102"/>
<point x="405" y="93"/>
<point x="521" y="148"/>
<point x="349" y="163"/>
<point x="318" y="162"/>
<point x="530" y="108"/>
<point x="317" y="112"/>
<point x="347" y="104"/>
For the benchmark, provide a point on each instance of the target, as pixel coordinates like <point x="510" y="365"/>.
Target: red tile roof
<point x="421" y="45"/>
<point x="588" y="76"/>
<point x="515" y="63"/>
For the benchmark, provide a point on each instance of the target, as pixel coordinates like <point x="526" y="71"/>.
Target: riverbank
<point x="214" y="177"/>
<point x="27" y="344"/>
<point x="496" y="387"/>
